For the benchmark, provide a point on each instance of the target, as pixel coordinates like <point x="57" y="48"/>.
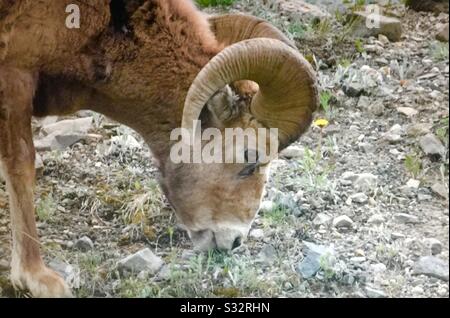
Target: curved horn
<point x="233" y="28"/>
<point x="288" y="92"/>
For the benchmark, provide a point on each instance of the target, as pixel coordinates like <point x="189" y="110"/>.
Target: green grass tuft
<point x="214" y="3"/>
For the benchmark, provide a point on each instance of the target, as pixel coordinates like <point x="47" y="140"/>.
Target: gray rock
<point x="318" y="249"/>
<point x="363" y="102"/>
<point x="395" y="152"/>
<point x="374" y="293"/>
<point x="45" y="121"/>
<point x="44" y="144"/>
<point x="440" y="189"/>
<point x="433" y="267"/>
<point x="397" y="236"/>
<point x="143" y="275"/>
<point x="311" y="264"/>
<point x="412" y="183"/>
<point x="359" y="198"/>
<point x="443" y="34"/>
<point x="433" y="245"/>
<point x="374" y="48"/>
<point x="410" y="189"/>
<point x="407" y="111"/>
<point x="267" y="206"/>
<point x="4" y="265"/>
<point x="424" y="197"/>
<point x="394" y="134"/>
<point x="377" y="108"/>
<point x="84" y="244"/>
<point x="58" y="141"/>
<point x="367" y="147"/>
<point x="432" y="146"/>
<point x="38" y="164"/>
<point x="353" y="89"/>
<point x="343" y="221"/>
<point x="383" y="39"/>
<point x="366" y="182"/>
<point x="435" y="94"/>
<point x="256" y="234"/>
<point x="143" y="260"/>
<point x="376" y="219"/>
<point x="164" y="274"/>
<point x="406" y="218"/>
<point x="69" y="273"/>
<point x="293" y="152"/>
<point x="322" y="219"/>
<point x="349" y="176"/>
<point x="357" y="259"/>
<point x="381" y="60"/>
<point x="348" y="279"/>
<point x="71" y="126"/>
<point x="316" y="203"/>
<point x="392" y="138"/>
<point x="349" y="103"/>
<point x="374" y="24"/>
<point x="65" y="141"/>
<point x="299" y="10"/>
<point x="408" y="192"/>
<point x="304" y="287"/>
<point x="299" y="196"/>
<point x="417" y="290"/>
<point x="378" y="268"/>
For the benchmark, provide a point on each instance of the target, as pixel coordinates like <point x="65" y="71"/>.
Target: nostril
<point x="237" y="242"/>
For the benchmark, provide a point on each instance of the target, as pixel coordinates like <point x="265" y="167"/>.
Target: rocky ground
<point x="356" y="209"/>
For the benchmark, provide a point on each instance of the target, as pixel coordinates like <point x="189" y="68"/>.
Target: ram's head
<point x="258" y="81"/>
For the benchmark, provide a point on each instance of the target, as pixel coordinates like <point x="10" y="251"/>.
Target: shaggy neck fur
<point x="154" y="67"/>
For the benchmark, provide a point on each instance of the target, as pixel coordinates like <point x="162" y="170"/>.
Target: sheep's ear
<point x="245" y="89"/>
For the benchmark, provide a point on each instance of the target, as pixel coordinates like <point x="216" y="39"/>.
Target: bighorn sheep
<point x="152" y="65"/>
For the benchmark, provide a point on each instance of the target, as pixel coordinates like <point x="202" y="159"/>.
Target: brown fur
<point x="139" y="78"/>
<point x="17" y="160"/>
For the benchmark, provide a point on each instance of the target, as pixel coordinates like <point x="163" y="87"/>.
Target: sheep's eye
<point x="252" y="163"/>
<point x="248" y="171"/>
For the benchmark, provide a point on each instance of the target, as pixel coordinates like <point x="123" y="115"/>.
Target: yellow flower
<point x="321" y="123"/>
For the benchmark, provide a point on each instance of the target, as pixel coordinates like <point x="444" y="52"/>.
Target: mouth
<point x="225" y="240"/>
<point x="203" y="240"/>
